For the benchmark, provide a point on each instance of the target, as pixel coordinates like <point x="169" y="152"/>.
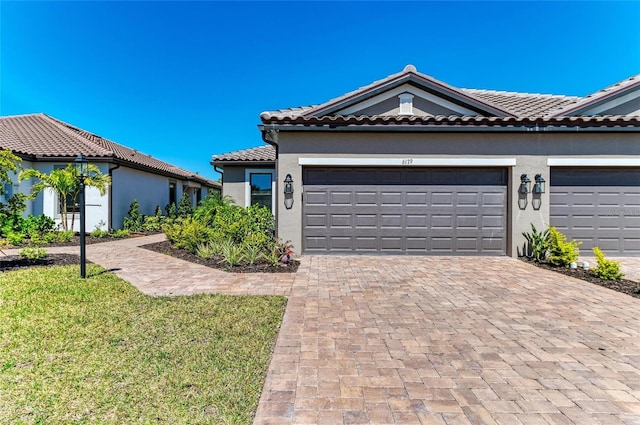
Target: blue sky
<point x="185" y="80"/>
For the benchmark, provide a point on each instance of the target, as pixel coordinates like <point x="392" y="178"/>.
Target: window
<point x="198" y="195"/>
<point x="260" y="188"/>
<point x="172" y="193"/>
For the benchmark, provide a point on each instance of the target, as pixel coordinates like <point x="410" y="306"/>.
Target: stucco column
<point x="290" y="220"/>
<point x="529" y="208"/>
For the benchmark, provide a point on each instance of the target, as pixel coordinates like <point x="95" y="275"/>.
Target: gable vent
<point x="406" y="104"/>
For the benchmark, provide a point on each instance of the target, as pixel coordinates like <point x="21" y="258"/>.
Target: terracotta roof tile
<point x="40" y="135"/>
<point x="260" y="154"/>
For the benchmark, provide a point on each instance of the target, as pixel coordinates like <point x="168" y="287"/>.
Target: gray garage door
<point x="598" y="206"/>
<point x="460" y="211"/>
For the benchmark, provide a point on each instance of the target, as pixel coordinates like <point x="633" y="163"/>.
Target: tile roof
<point x="260" y="154"/>
<point x="42" y="137"/>
<point x="601" y="95"/>
<point x="517" y="105"/>
<point x="524" y="104"/>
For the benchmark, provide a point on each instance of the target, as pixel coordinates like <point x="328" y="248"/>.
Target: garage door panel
<point x="442" y="222"/>
<point x="468" y="199"/>
<point x="493" y="244"/>
<point x="372" y="216"/>
<point x="596" y="206"/>
<point x="466" y="222"/>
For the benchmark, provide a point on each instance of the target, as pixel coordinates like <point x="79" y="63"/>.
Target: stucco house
<point x="45" y="143"/>
<point x="412" y="165"/>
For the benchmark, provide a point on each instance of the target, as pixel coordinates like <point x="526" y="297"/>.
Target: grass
<point x="79" y="351"/>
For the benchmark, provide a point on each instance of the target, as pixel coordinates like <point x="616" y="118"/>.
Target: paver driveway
<point x="387" y="340"/>
<point x="404" y="340"/>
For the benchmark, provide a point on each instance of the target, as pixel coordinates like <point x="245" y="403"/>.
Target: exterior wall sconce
<point x="288" y="192"/>
<point x="525" y="184"/>
<point x="539" y="187"/>
<point x="82" y="172"/>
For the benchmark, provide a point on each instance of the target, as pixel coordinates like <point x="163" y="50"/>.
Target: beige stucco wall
<point x="530" y="151"/>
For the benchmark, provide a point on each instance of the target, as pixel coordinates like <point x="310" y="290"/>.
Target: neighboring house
<point x="45" y="143"/>
<point x="411" y="165"/>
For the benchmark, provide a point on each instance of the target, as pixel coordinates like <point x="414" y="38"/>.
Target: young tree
<point x="8" y="163"/>
<point x="65" y="183"/>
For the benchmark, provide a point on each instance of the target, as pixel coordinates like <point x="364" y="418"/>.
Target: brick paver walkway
<point x="427" y="340"/>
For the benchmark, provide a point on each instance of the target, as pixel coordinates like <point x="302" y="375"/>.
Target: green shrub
<point x="537" y="243"/>
<point x="232" y="254"/>
<point x="134" y="220"/>
<point x="98" y="233"/>
<point x="185" y="208"/>
<point x="50" y="237"/>
<point x="206" y="250"/>
<point x="171" y="210"/>
<point x="66" y="235"/>
<point x="121" y="233"/>
<point x="15" y="238"/>
<point x="33" y="253"/>
<point x="11" y="219"/>
<point x="188" y="234"/>
<point x="607" y="269"/>
<point x="252" y="253"/>
<point x="153" y="223"/>
<point x="562" y="252"/>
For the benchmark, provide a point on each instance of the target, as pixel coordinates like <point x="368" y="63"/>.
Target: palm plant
<point x="65" y="183"/>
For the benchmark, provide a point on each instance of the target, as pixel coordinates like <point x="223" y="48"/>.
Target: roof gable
<point x="621" y="98"/>
<point x="433" y="94"/>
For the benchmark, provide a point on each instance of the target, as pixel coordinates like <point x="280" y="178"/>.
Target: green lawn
<point x="99" y="351"/>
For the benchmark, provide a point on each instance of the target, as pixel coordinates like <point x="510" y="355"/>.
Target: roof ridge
<point x="76" y="132"/>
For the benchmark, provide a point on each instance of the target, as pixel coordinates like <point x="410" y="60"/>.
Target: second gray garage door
<point x="453" y="211"/>
<point x="599" y="207"/>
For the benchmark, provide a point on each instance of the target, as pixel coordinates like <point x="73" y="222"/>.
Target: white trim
<point x="593" y="162"/>
<point x="412" y="162"/>
<point x="612" y="103"/>
<point x="406" y="88"/>
<point x="247" y="185"/>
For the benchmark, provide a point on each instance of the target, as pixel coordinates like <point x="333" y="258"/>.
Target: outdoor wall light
<point x="539" y="187"/>
<point x="82" y="172"/>
<point x="525" y="184"/>
<point x="288" y="192"/>
<point x="288" y="185"/>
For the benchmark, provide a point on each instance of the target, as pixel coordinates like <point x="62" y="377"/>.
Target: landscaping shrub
<point x="537" y="243"/>
<point x="185" y="208"/>
<point x="15" y="238"/>
<point x="39" y="225"/>
<point x="206" y="250"/>
<point x="133" y="222"/>
<point x="188" y="234"/>
<point x="607" y="269"/>
<point x="121" y="233"/>
<point x="153" y="223"/>
<point x="50" y="237"/>
<point x="561" y="251"/>
<point x="66" y="236"/>
<point x="33" y="253"/>
<point x="11" y="219"/>
<point x="232" y="254"/>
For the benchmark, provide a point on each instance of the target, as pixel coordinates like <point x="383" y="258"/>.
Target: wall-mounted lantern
<point x="288" y="192"/>
<point x="525" y="184"/>
<point x="539" y="187"/>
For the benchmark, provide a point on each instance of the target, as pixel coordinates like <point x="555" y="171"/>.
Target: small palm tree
<point x="65" y="183"/>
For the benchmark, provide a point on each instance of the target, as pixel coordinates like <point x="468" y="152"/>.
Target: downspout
<point x="221" y="172"/>
<point x="110" y="207"/>
<point x="270" y="136"/>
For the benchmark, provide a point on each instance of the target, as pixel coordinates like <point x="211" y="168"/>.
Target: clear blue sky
<point x="183" y="81"/>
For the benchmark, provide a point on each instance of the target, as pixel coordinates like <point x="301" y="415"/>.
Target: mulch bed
<point x="75" y="241"/>
<point x="165" y="247"/>
<point x="15" y="262"/>
<point x="625" y="286"/>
